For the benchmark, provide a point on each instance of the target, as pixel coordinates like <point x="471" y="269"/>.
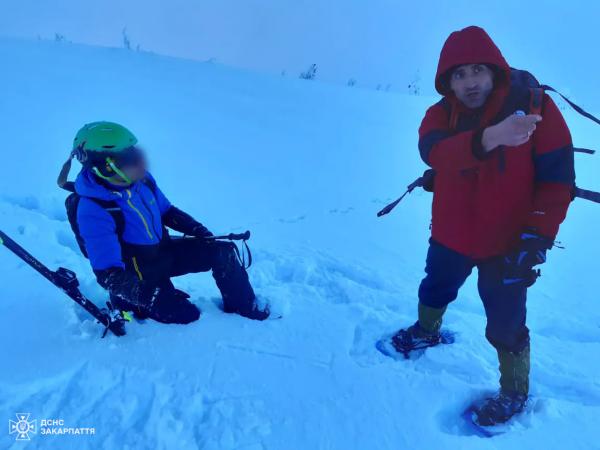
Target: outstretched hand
<point x="513" y="131"/>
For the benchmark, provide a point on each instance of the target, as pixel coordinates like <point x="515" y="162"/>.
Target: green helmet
<point x="104" y="146"/>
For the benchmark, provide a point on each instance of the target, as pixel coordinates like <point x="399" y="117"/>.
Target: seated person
<point x="135" y="261"/>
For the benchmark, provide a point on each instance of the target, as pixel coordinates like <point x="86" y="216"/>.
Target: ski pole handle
<point x="231" y="236"/>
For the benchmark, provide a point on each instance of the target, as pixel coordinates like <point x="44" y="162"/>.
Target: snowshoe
<point x="487" y="417"/>
<point x="412" y="341"/>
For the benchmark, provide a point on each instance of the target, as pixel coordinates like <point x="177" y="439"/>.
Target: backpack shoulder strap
<point x="111" y="207"/>
<point x="577" y="108"/>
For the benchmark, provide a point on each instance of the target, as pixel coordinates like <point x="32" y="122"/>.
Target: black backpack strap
<point x="577" y="108"/>
<point x="111" y="207"/>
<point x="584" y="150"/>
<point x="69" y="186"/>
<point x="587" y="195"/>
<point x="115" y="211"/>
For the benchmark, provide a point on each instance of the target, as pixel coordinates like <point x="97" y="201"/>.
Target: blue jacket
<point x="142" y="213"/>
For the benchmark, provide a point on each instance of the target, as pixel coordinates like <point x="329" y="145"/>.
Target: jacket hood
<point x="471" y="45"/>
<point x="87" y="185"/>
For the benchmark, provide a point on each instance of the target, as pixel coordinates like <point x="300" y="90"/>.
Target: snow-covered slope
<point x="305" y="166"/>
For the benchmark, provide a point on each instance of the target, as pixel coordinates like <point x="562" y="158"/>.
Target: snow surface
<point x="305" y="166"/>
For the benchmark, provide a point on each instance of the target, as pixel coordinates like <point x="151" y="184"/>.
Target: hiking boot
<point x="430" y="319"/>
<point x="414" y="338"/>
<point x="500" y="408"/>
<point x="173" y="306"/>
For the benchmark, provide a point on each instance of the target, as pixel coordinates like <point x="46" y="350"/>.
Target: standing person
<point x="120" y="215"/>
<point x="503" y="184"/>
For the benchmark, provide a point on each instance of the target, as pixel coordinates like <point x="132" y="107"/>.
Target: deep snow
<point x="305" y="166"/>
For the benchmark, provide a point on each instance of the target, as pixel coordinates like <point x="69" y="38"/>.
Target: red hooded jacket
<point x="483" y="201"/>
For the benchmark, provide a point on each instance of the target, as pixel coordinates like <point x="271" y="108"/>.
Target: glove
<point x="180" y="221"/>
<point x="134" y="293"/>
<point x="200" y="231"/>
<point x="518" y="265"/>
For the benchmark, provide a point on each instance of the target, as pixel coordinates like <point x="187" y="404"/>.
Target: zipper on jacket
<point x="139" y="214"/>
<point x="149" y="213"/>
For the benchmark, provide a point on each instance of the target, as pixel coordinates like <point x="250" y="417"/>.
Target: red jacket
<point x="483" y="201"/>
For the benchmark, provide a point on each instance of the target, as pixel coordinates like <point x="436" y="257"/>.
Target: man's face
<point x="472" y="84"/>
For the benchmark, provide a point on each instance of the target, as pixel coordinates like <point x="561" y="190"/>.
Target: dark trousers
<point x="504" y="305"/>
<point x="176" y="257"/>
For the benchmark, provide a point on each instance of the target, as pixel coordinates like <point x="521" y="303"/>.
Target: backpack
<point x="525" y="78"/>
<point x="526" y="93"/>
<point x="110" y="206"/>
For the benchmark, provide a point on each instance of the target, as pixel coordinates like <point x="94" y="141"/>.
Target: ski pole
<point x="66" y="280"/>
<point x="232" y="236"/>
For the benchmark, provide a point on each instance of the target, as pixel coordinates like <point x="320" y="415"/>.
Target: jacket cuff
<point x="477" y="146"/>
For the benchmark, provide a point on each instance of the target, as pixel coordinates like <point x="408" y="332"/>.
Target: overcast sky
<point x="373" y="41"/>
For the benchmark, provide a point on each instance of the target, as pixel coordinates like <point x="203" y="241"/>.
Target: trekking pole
<point x="66" y="280"/>
<point x="231" y="236"/>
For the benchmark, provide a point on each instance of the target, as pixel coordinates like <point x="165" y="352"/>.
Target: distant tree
<point x="310" y="73"/>
<point x="351" y="82"/>
<point x="414" y="87"/>
<point x="126" y="40"/>
<point x="388" y="87"/>
<point x="59" y="37"/>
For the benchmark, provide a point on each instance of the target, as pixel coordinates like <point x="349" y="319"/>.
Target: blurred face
<point x="472" y="84"/>
<point x="135" y="172"/>
<point x="133" y="164"/>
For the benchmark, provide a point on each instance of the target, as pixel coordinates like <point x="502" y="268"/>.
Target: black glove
<point x="180" y="221"/>
<point x="518" y="265"/>
<point x="200" y="231"/>
<point x="134" y="293"/>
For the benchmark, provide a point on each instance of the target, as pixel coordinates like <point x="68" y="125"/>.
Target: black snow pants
<point x="176" y="257"/>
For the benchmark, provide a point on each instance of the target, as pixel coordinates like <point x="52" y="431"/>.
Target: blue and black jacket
<point x="146" y="212"/>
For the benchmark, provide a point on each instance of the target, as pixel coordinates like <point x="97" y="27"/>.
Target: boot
<point x="424" y="333"/>
<point x="430" y="319"/>
<point x="514" y="389"/>
<point x="173" y="306"/>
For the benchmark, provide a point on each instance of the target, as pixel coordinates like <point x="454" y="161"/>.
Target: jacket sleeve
<point x="554" y="171"/>
<point x="175" y="218"/>
<point x="444" y="150"/>
<point x="98" y="230"/>
<point x="181" y="221"/>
